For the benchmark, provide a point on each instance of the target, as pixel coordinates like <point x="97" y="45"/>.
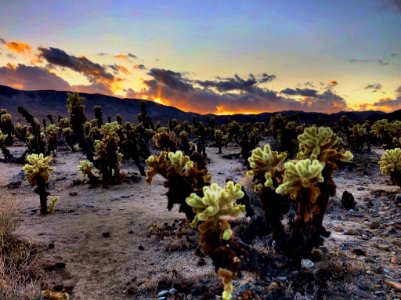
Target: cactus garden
<point x="279" y="209"/>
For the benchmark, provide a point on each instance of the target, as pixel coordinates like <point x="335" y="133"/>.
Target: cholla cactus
<point x="37" y="172"/>
<point x="183" y="177"/>
<point x="385" y="132"/>
<point x="323" y="144"/>
<point x="52" y="131"/>
<point x="108" y="157"/>
<point x="390" y="164"/>
<point x="300" y="182"/>
<point x="216" y="202"/>
<point x="265" y="164"/>
<point x="218" y="137"/>
<point x="88" y="170"/>
<point x="216" y="236"/>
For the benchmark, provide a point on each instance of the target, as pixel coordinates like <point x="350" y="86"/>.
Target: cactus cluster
<point x="390" y="164"/>
<point x="184" y="175"/>
<point x="37" y="173"/>
<point x="216" y="235"/>
<point x="305" y="184"/>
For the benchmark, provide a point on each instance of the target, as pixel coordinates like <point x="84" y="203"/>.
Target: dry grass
<point x="16" y="259"/>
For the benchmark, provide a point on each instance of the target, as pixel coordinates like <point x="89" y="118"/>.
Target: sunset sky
<point x="209" y="56"/>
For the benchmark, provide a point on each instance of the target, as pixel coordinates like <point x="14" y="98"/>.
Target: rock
<point x="390" y="231"/>
<point x="317" y="255"/>
<point x="140" y="247"/>
<point x="50" y="246"/>
<point x="351" y="232"/>
<point x="393" y="284"/>
<point x="106" y="234"/>
<point x="359" y="252"/>
<point x="14" y="184"/>
<point x="201" y="262"/>
<point x="374" y="225"/>
<point x="382" y="247"/>
<point x="348" y="200"/>
<point x="307" y="264"/>
<point x="338" y="229"/>
<point x="395" y="261"/>
<point x="131" y="232"/>
<point x="73" y="194"/>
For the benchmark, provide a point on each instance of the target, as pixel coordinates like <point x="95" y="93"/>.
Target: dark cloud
<point x="10" y="56"/>
<point x="132" y="56"/>
<point x="79" y="64"/>
<point x="170" y="79"/>
<point x="31" y="78"/>
<point x="300" y="92"/>
<point x="139" y="67"/>
<point x="394" y="54"/>
<point x="236" y="82"/>
<point x="3" y="41"/>
<point x="396" y="4"/>
<point x="309" y="84"/>
<point x="232" y="96"/>
<point x="389" y="104"/>
<point x="102" y="54"/>
<point x="374" y="87"/>
<point x="95" y="73"/>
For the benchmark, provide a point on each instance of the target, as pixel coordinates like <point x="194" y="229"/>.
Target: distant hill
<point x="44" y="102"/>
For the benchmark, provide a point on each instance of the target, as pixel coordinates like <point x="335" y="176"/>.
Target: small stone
<point x="348" y="200"/>
<point x="338" y="229"/>
<point x="162" y="293"/>
<point x="14" y="184"/>
<point x="73" y="194"/>
<point x="50" y="246"/>
<point x="395" y="261"/>
<point x="131" y="232"/>
<point x="351" y="232"/>
<point x="140" y="247"/>
<point x="201" y="262"/>
<point x="106" y="234"/>
<point x="307" y="264"/>
<point x="374" y="225"/>
<point x="359" y="252"/>
<point x="393" y="284"/>
<point x="382" y="247"/>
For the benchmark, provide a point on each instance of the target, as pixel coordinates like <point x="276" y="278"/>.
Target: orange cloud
<point x="122" y="57"/>
<point x="333" y="83"/>
<point x="19" y="47"/>
<point x="124" y="70"/>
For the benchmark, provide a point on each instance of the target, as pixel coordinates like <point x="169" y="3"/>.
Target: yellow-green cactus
<point x="390" y="161"/>
<point x="110" y="129"/>
<point x="37" y="167"/>
<point x="5" y="117"/>
<point x="53" y="203"/>
<point x="217" y="202"/>
<point x="87" y="169"/>
<point x="180" y="162"/>
<point x="3" y="137"/>
<point x="265" y="163"/>
<point x="52" y="130"/>
<point x="323" y="144"/>
<point x="301" y="175"/>
<point x="177" y="163"/>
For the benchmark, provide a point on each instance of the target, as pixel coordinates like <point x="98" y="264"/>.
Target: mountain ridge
<point x="37" y="102"/>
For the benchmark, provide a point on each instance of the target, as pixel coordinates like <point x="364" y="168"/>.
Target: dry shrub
<point x="16" y="255"/>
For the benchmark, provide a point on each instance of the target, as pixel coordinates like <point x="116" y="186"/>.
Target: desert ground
<point x="121" y="242"/>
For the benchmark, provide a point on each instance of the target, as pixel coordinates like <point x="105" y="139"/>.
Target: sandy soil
<point x="103" y="235"/>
